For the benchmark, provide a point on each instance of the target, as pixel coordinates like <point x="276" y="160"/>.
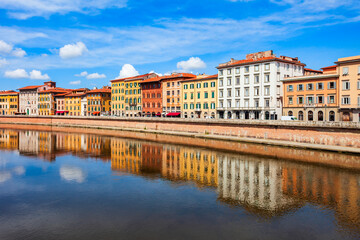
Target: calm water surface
<point x="76" y="186"/>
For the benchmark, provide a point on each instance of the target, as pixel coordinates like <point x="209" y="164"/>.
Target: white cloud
<point x="83" y="74"/>
<point x="78" y="82"/>
<point x="95" y="76"/>
<point x="21" y="9"/>
<point x="70" y="173"/>
<point x="35" y="74"/>
<point x="194" y="63"/>
<point x="5" y="47"/>
<point x="19" y="170"/>
<point x="73" y="50"/>
<point x="18" y="73"/>
<point x="159" y="74"/>
<point x="18" y="52"/>
<point x="127" y="70"/>
<point x="3" y="62"/>
<point x="5" y="176"/>
<point x="21" y="73"/>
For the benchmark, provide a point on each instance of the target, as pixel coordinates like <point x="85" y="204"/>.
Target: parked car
<point x="288" y="118"/>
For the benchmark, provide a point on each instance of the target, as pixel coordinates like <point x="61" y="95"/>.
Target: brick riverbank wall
<point x="345" y="134"/>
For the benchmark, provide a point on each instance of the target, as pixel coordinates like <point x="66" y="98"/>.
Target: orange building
<point x="152" y="97"/>
<point x="171" y="86"/>
<point x="313" y="97"/>
<point x="99" y="102"/>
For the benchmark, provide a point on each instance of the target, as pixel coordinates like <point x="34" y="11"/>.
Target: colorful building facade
<point x="152" y="97"/>
<point x="126" y="95"/>
<point x="47" y="100"/>
<point x="199" y="97"/>
<point x="349" y="88"/>
<point x="172" y="91"/>
<point x="312" y="97"/>
<point x="99" y="102"/>
<point x="9" y="102"/>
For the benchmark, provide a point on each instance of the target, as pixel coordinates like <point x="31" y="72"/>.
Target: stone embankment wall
<point x="339" y="135"/>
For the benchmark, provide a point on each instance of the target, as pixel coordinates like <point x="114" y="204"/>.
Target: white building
<point x="29" y="97"/>
<point x="252" y="88"/>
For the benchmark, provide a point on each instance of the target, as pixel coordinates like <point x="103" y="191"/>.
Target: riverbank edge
<point x="320" y="147"/>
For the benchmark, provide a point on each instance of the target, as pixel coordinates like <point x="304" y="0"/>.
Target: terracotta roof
<point x="264" y="59"/>
<point x="132" y="78"/>
<point x="55" y="90"/>
<point x="333" y="66"/>
<point x="178" y="75"/>
<point x="75" y="94"/>
<point x="199" y="78"/>
<point x="101" y="90"/>
<point x="30" y="87"/>
<point x="9" y="92"/>
<point x="154" y="79"/>
<point x="312" y="70"/>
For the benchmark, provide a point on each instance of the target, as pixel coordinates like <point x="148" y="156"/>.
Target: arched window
<point x="310" y="116"/>
<point x="290" y="113"/>
<point x="320" y="116"/>
<point x="331" y="116"/>
<point x="267" y="115"/>
<point x="301" y="116"/>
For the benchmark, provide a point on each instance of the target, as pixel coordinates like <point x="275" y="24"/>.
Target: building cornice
<point x="311" y="77"/>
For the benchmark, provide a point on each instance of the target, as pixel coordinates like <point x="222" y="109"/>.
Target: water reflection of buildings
<point x="263" y="186"/>
<point x="254" y="183"/>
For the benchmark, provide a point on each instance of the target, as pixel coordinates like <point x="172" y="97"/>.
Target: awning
<point x="158" y="114"/>
<point x="173" y="114"/>
<point x="95" y="113"/>
<point x="59" y="112"/>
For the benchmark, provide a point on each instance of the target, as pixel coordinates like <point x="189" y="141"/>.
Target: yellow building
<point x="190" y="164"/>
<point x="73" y="102"/>
<point x="125" y="155"/>
<point x="9" y="139"/>
<point x="126" y="95"/>
<point x="99" y="102"/>
<point x="199" y="97"/>
<point x="9" y="102"/>
<point x="47" y="101"/>
<point x="349" y="89"/>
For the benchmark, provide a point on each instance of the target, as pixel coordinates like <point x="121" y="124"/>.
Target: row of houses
<point x="261" y="86"/>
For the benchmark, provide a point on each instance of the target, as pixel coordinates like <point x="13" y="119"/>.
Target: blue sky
<point x="60" y="39"/>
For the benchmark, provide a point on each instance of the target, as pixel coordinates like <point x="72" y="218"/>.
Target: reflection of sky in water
<point x="87" y="198"/>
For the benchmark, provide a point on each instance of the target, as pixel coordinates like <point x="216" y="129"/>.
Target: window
<point x="267" y="67"/>
<point x="246" y="79"/>
<point x="358" y="84"/>
<point x="192" y="86"/>
<point x="345" y="71"/>
<point x="185" y="96"/>
<point x="256" y="79"/>
<point x="212" y="94"/>
<point x="345" y="100"/>
<point x="267" y="91"/>
<point x="287" y="66"/>
<point x="206" y="85"/>
<point x="229" y="81"/>
<point x="198" y="95"/>
<point x="310" y="100"/>
<point x="300" y="87"/>
<point x="237" y="81"/>
<point x="331" y="85"/>
<point x="246" y="69"/>
<point x="221" y="93"/>
<point x="331" y="99"/>
<point x="237" y="92"/>
<point x="237" y="70"/>
<point x="319" y="86"/>
<point x="206" y="95"/>
<point x="198" y="85"/>
<point x="300" y="100"/>
<point x="267" y="78"/>
<point x="185" y="86"/>
<point x="256" y="91"/>
<point x="212" y="84"/>
<point x="221" y="82"/>
<point x="290" y="88"/>
<point x="309" y="86"/>
<point x="229" y="92"/>
<point x="229" y="103"/>
<point x="359" y="102"/>
<point x="346" y="85"/>
<point x="229" y="71"/>
<point x="247" y="103"/>
<point x="246" y="92"/>
<point x="212" y="105"/>
<point x="320" y="99"/>
<point x="256" y="68"/>
<point x="256" y="103"/>
<point x="221" y="72"/>
<point x="290" y="99"/>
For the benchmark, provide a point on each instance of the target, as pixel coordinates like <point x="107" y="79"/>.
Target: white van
<point x="288" y="118"/>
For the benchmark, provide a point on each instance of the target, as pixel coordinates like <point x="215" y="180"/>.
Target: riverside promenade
<point x="328" y="136"/>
